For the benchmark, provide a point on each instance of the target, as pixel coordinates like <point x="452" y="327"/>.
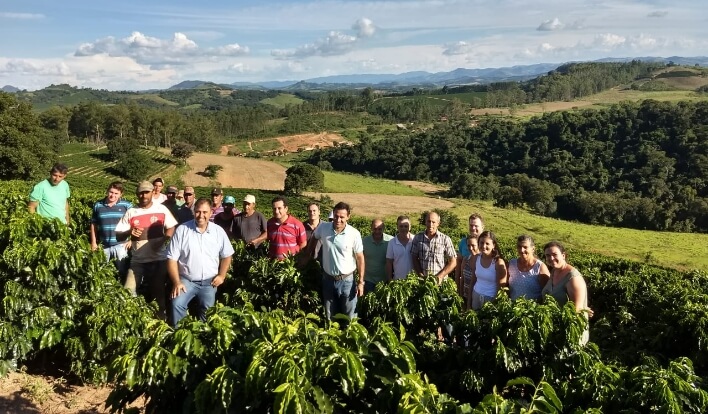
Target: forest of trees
<point x="641" y="165"/>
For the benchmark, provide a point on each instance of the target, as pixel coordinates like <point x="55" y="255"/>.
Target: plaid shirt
<point x="432" y="253"/>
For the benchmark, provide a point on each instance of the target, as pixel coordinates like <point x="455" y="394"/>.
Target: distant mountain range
<point x="410" y="80"/>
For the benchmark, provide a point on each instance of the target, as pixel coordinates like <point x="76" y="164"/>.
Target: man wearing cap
<point x="225" y="219"/>
<point x="102" y="231"/>
<point x="186" y="212"/>
<point x="286" y="234"/>
<point x="198" y="258"/>
<point x="217" y="197"/>
<point x="157" y="195"/>
<point x="250" y="225"/>
<point x="171" y="201"/>
<point x="50" y="197"/>
<point x="149" y="226"/>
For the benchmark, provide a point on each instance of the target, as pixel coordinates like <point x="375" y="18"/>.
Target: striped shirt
<point x="105" y="218"/>
<point x="285" y="238"/>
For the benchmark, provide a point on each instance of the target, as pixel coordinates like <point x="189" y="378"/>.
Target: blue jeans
<point x="339" y="296"/>
<point x="202" y="289"/>
<point x="118" y="253"/>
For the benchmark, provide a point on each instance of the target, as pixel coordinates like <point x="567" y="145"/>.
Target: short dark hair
<point x="118" y="185"/>
<point x="342" y="206"/>
<point x="555" y="243"/>
<point x="59" y="168"/>
<point x="475" y="216"/>
<point x="313" y="204"/>
<point x="201" y="201"/>
<point x="401" y="218"/>
<point x="158" y="180"/>
<point x="279" y="198"/>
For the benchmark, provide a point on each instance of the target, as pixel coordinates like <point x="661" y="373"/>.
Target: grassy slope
<point x="337" y="182"/>
<point x="282" y="99"/>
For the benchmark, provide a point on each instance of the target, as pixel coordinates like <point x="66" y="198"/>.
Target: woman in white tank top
<point x="489" y="272"/>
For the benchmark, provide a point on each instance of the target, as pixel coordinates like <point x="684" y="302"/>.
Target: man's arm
<point x="173" y="273"/>
<point x="68" y="216"/>
<point x="449" y="267"/>
<point x="260" y="239"/>
<point x="389" y="269"/>
<point x="92" y="236"/>
<point x="32" y="206"/>
<point x="224" y="264"/>
<point x="361" y="267"/>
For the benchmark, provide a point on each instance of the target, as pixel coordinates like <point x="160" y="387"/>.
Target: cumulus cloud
<point x="457" y="48"/>
<point x="609" y="40"/>
<point x="550" y="25"/>
<point x="155" y="51"/>
<point x="658" y="13"/>
<point x="335" y="43"/>
<point x="21" y="16"/>
<point x="364" y="28"/>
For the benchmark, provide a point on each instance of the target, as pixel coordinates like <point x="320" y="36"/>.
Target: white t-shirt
<point x="153" y="220"/>
<point x="401" y="255"/>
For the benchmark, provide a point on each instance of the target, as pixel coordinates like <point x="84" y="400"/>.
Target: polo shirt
<point x="286" y="237"/>
<point x="401" y="256"/>
<point x="432" y="252"/>
<point x="375" y="258"/>
<point x="51" y="199"/>
<point x="105" y="218"/>
<point x="198" y="254"/>
<point x="338" y="249"/>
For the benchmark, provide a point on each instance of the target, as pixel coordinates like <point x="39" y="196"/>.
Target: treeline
<point x="640" y="165"/>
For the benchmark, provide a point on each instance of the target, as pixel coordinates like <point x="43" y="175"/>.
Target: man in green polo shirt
<point x="375" y="246"/>
<point x="50" y="197"/>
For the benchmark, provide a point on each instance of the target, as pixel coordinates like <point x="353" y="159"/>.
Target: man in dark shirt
<point x="250" y="225"/>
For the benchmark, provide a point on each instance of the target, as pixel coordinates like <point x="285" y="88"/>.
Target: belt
<point x="337" y="278"/>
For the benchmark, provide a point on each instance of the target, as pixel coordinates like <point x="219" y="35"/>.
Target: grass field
<point x="351" y="183"/>
<point x="282" y="99"/>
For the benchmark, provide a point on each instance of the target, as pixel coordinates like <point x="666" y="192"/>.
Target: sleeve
<point x="317" y="234"/>
<point x="124" y="222"/>
<point x="68" y="190"/>
<point x="170" y="220"/>
<point x="94" y="214"/>
<point x="358" y="243"/>
<point x="389" y="250"/>
<point x="302" y="236"/>
<point x="37" y="193"/>
<point x="264" y="224"/>
<point x="226" y="248"/>
<point x="449" y="248"/>
<point x="414" y="247"/>
<point x="173" y="249"/>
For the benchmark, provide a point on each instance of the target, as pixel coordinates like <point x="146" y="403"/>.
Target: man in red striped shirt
<point x="286" y="234"/>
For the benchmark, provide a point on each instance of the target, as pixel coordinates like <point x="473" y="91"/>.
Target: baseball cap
<point x="144" y="186"/>
<point x="189" y="190"/>
<point x="229" y="200"/>
<point x="172" y="189"/>
<point x="250" y="199"/>
<point x="216" y="191"/>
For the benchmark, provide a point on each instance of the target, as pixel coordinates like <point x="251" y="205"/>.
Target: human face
<point x="157" y="187"/>
<point x="249" y="208"/>
<point x="404" y="227"/>
<point x="202" y="213"/>
<point x="280" y="211"/>
<point x="113" y="195"/>
<point x="179" y="198"/>
<point x="171" y="196"/>
<point x="216" y="199"/>
<point x="473" y="245"/>
<point x="431" y="223"/>
<point x="313" y="212"/>
<point x="476" y="227"/>
<point x="188" y="198"/>
<point x="56" y="177"/>
<point x="144" y="199"/>
<point x="228" y="207"/>
<point x="555" y="259"/>
<point x="525" y="250"/>
<point x="340" y="219"/>
<point x="486" y="246"/>
<point x="377" y="230"/>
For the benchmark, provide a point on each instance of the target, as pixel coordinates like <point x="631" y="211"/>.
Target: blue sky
<point x="157" y="43"/>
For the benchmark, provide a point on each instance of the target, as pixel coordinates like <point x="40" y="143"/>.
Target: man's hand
<point x="94" y="246"/>
<point x="360" y="289"/>
<point x="217" y="280"/>
<point x="178" y="289"/>
<point x="136" y="233"/>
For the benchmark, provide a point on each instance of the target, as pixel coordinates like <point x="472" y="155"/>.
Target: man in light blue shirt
<point x="198" y="258"/>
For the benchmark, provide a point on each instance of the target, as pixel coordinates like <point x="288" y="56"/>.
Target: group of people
<point x="180" y="248"/>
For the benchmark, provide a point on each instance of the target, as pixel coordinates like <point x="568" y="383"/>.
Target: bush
<point x="303" y="177"/>
<point x="212" y="170"/>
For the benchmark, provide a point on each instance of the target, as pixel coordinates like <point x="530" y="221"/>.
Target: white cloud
<point x="364" y="28"/>
<point x="21" y="16"/>
<point x="155" y="51"/>
<point x="457" y="48"/>
<point x="550" y="25"/>
<point x="609" y="40"/>
<point x="658" y="13"/>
